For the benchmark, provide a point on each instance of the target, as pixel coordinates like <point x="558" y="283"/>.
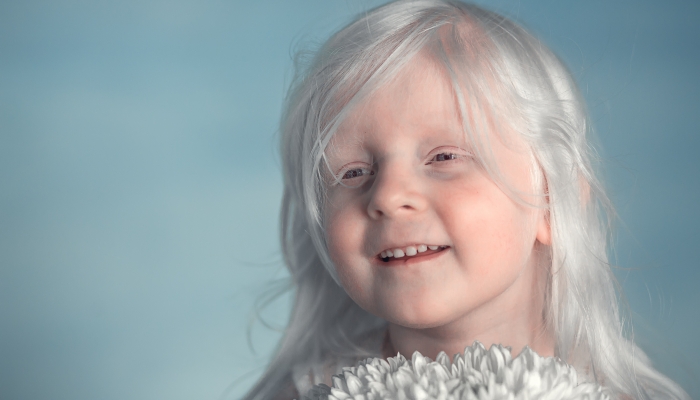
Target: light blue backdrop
<point x="140" y="182"/>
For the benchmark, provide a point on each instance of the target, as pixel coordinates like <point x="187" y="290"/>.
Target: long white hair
<point x="497" y="70"/>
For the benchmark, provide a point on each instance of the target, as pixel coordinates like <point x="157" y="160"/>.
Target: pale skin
<point x="409" y="178"/>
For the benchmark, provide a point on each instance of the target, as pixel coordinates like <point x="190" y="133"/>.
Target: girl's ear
<point x="544" y="231"/>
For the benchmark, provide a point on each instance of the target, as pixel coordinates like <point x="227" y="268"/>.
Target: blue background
<point x="140" y="182"/>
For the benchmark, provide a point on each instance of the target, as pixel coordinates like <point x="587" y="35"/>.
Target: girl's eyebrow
<point x="339" y="154"/>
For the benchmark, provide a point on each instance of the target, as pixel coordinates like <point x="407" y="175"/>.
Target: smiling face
<point x="419" y="233"/>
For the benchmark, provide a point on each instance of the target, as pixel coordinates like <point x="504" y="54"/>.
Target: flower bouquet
<point x="478" y="374"/>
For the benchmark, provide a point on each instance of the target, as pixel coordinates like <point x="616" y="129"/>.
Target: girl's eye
<point x="356" y="173"/>
<point x="444" y="157"/>
<point x="354" y="176"/>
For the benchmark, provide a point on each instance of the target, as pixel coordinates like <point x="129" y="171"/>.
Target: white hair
<point x="497" y="70"/>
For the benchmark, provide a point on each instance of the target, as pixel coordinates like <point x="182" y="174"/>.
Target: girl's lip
<point x="405" y="260"/>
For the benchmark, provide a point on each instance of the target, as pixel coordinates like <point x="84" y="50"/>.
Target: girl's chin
<point x="418" y="324"/>
<point x="416" y="318"/>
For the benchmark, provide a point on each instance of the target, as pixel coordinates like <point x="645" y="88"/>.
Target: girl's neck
<point x="430" y="342"/>
<point x="514" y="319"/>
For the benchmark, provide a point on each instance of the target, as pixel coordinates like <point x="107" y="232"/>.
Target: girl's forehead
<point x="418" y="97"/>
<point x="417" y="111"/>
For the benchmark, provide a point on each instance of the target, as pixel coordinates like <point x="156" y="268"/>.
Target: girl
<point x="439" y="190"/>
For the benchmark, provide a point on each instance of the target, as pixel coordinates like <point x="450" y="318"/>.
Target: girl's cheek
<point x="340" y="230"/>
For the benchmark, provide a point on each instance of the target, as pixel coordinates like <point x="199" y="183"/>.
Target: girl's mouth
<point x="410" y="252"/>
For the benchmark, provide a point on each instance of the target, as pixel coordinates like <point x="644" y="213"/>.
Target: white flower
<point x="478" y="374"/>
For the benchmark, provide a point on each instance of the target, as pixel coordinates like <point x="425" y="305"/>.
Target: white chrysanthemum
<point x="478" y="374"/>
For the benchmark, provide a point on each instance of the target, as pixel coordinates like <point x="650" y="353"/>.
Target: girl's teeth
<point x="408" y="251"/>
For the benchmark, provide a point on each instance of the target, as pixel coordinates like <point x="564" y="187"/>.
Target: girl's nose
<point x="395" y="194"/>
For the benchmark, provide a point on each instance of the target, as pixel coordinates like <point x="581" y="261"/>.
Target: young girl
<point x="439" y="190"/>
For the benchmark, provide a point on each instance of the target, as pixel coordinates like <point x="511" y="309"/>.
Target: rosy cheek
<point x="335" y="243"/>
<point x="339" y="240"/>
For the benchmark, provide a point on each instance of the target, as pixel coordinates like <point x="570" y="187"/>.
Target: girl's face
<point x="410" y="187"/>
